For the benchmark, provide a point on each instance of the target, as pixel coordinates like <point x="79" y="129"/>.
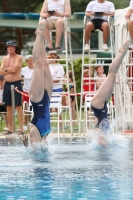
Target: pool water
<point x="70" y="169"/>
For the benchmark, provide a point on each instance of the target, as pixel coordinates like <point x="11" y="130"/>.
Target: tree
<point x="21" y="35"/>
<point x="25" y="35"/>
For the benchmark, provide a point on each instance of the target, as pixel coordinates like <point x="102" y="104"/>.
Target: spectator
<point x="2" y="106"/>
<point x="26" y="73"/>
<point x="130" y="22"/>
<point x="100" y="76"/>
<point x="11" y="69"/>
<point x="98" y="11"/>
<point x="55" y="20"/>
<point x="57" y="72"/>
<point x="72" y="98"/>
<point x="88" y="83"/>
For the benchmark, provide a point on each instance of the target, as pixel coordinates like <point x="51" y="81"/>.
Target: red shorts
<point x="25" y="98"/>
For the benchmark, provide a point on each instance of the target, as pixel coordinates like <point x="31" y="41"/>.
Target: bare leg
<point x="41" y="72"/>
<point x="74" y="114"/>
<point x="37" y="83"/>
<point x="5" y="119"/>
<point x="20" y="117"/>
<point x="89" y="27"/>
<point x="34" y="135"/>
<point x="130" y="28"/>
<point x="59" y="30"/>
<point x="105" y="28"/>
<point x="47" y="38"/>
<point x="105" y="90"/>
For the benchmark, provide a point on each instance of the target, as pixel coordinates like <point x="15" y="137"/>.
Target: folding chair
<point x="88" y="113"/>
<point x="27" y="109"/>
<point x="111" y="35"/>
<point x="56" y="105"/>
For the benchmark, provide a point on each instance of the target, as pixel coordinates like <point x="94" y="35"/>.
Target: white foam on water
<point x="110" y="139"/>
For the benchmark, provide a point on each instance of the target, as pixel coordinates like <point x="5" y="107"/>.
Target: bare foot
<point x="125" y="47"/>
<point x="41" y="26"/>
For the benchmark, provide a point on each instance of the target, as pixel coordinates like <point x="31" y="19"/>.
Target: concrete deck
<point x="55" y="135"/>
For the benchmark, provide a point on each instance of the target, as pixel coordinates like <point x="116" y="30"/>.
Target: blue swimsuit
<point x="102" y="116"/>
<point x="41" y="117"/>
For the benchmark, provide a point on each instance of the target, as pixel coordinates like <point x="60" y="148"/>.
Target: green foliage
<point x="80" y="5"/>
<point x="78" y="71"/>
<point x="35" y="6"/>
<point x="24" y="64"/>
<point x="20" y="5"/>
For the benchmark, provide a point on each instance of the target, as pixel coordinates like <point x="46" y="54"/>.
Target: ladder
<point x="67" y="62"/>
<point x="93" y="61"/>
<point x="124" y="80"/>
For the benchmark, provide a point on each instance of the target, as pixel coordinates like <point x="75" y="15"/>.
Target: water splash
<point x="96" y="138"/>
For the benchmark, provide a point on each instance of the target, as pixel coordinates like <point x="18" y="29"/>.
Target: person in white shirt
<point x="130" y="22"/>
<point x="57" y="72"/>
<point x="98" y="11"/>
<point x="62" y="9"/>
<point x="26" y="73"/>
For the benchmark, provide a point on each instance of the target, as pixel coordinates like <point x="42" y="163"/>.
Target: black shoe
<point x="58" y="49"/>
<point x="48" y="49"/>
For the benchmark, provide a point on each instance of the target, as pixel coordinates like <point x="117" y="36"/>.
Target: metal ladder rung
<point x="100" y="59"/>
<point x="87" y="65"/>
<point x="58" y="52"/>
<point x="59" y="60"/>
<point x="102" y="51"/>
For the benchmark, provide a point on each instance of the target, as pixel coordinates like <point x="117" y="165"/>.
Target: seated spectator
<point x="26" y="73"/>
<point x="88" y="84"/>
<point x="98" y="11"/>
<point x="62" y="9"/>
<point x="130" y="22"/>
<point x="100" y="76"/>
<point x="72" y="98"/>
<point x="2" y="106"/>
<point x="57" y="72"/>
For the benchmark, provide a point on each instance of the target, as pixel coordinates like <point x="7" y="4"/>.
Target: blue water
<point x="70" y="169"/>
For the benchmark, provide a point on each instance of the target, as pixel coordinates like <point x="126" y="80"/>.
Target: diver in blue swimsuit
<point x="40" y="89"/>
<point x="104" y="93"/>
